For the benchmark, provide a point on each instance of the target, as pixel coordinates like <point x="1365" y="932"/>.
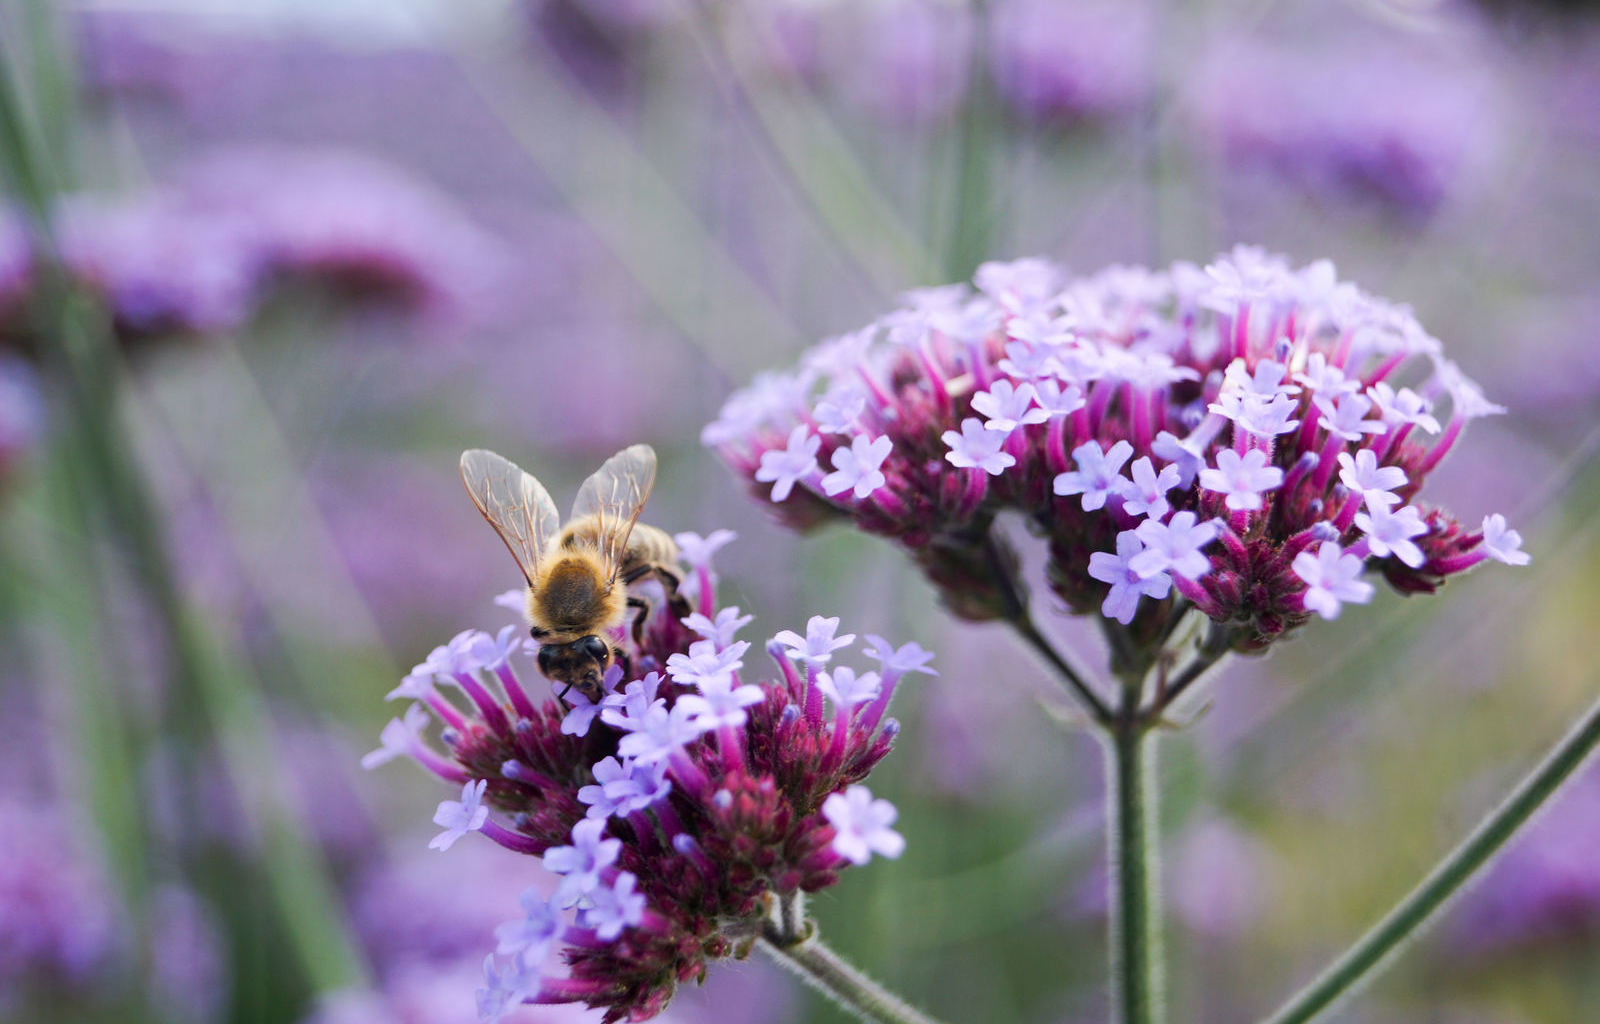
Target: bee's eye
<point x="595" y="648"/>
<point x="537" y="633"/>
<point x="544" y="656"/>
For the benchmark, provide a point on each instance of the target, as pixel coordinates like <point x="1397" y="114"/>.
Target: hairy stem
<point x="1069" y="673"/>
<point x="1133" y="856"/>
<point x="1374" y="949"/>
<point x="828" y="973"/>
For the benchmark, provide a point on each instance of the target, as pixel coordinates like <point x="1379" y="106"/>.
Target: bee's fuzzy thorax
<point x="573" y="595"/>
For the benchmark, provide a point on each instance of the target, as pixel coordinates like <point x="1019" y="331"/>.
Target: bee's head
<point x="580" y="664"/>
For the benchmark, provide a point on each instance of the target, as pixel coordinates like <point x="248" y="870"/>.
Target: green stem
<point x="973" y="212"/>
<point x="1133" y="855"/>
<point x="1377" y="946"/>
<point x="828" y="973"/>
<point x="1064" y="668"/>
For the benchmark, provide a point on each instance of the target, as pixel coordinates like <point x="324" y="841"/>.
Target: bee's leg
<point x="643" y="607"/>
<point x="671" y="581"/>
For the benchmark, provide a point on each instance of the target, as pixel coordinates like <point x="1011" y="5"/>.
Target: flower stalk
<point x="1134" y="858"/>
<point x="830" y="974"/>
<point x="1378" y="946"/>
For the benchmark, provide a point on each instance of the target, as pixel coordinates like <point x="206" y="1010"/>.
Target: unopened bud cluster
<point x="675" y="811"/>
<point x="1247" y="439"/>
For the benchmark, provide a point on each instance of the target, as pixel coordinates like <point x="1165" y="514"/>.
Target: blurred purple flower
<point x="1220" y="877"/>
<point x="1375" y="119"/>
<point x="22" y="414"/>
<point x="1057" y="61"/>
<point x="1546" y="887"/>
<point x="59" y="924"/>
<point x="907" y="61"/>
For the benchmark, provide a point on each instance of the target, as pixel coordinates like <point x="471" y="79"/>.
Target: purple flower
<point x="608" y="909"/>
<point x="1343" y="416"/>
<point x="856" y="469"/>
<point x="661" y="733"/>
<point x="1127" y="586"/>
<point x="1147" y="494"/>
<point x="620" y="789"/>
<point x="861" y="825"/>
<point x="529" y="939"/>
<point x="1402" y="407"/>
<point x="721" y="630"/>
<point x="1006" y="406"/>
<point x="1062" y="62"/>
<point x="505" y="987"/>
<point x="787" y="467"/>
<point x="402" y="737"/>
<point x="1362" y="475"/>
<point x="1098" y="476"/>
<point x="581" y="864"/>
<point x="720" y="704"/>
<point x="846" y="689"/>
<point x="977" y="447"/>
<point x="696" y="550"/>
<point x="819" y="643"/>
<point x="458" y="817"/>
<point x="1391" y="533"/>
<point x="1241" y="478"/>
<point x="1331" y="577"/>
<point x="909" y="658"/>
<point x="1250" y="371"/>
<point x="1502" y="544"/>
<point x="1174" y="546"/>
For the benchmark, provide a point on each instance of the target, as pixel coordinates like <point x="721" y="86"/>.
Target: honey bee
<point x="578" y="574"/>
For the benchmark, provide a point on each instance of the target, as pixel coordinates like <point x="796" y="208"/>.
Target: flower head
<point x="687" y="803"/>
<point x="1231" y="419"/>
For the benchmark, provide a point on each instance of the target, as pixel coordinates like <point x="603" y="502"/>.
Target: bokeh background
<point x="320" y="247"/>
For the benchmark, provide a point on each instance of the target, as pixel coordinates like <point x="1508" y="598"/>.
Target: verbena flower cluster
<point x="676" y="810"/>
<point x="1248" y="439"/>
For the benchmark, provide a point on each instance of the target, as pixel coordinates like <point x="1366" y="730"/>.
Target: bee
<point x="578" y="574"/>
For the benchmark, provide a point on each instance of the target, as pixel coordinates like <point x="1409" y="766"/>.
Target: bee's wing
<point x="615" y="494"/>
<point x="516" y="505"/>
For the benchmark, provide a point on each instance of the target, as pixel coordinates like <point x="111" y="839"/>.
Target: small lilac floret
<point x="1056" y="398"/>
<point x="819" y="643"/>
<point x="977" y="447"/>
<point x="846" y="689"/>
<point x="838" y="413"/>
<point x="721" y="630"/>
<point x="1502" y="544"/>
<point x="909" y="658"/>
<point x="458" y="817"/>
<point x="505" y="987"/>
<point x="581" y="863"/>
<point x="856" y="468"/>
<point x="1242" y="478"/>
<point x="1324" y="378"/>
<point x="1098" y="476"/>
<point x="1006" y="407"/>
<point x="1403" y="406"/>
<point x="627" y="709"/>
<point x="1147" y="494"/>
<point x="861" y="825"/>
<point x="399" y="737"/>
<point x="1127" y="586"/>
<point x="1331" y="578"/>
<point x="696" y="551"/>
<point x="705" y="664"/>
<point x="1391" y="532"/>
<point x="620" y="789"/>
<point x="1344" y="416"/>
<point x="661" y="732"/>
<point x="1362" y="475"/>
<point x="530" y="937"/>
<point x="492" y="651"/>
<point x="720" y="704"/>
<point x="513" y="600"/>
<point x="1174" y="546"/>
<point x="783" y="468"/>
<point x="608" y="909"/>
<point x="1188" y="461"/>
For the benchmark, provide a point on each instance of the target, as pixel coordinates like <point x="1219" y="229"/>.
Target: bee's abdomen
<point x="650" y="545"/>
